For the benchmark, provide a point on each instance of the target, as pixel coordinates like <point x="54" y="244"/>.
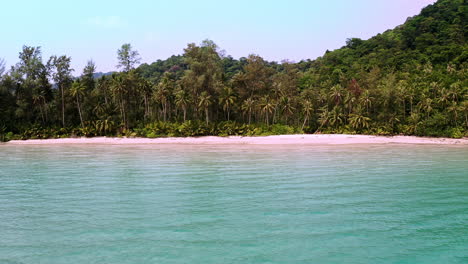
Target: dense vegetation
<point x="410" y="80"/>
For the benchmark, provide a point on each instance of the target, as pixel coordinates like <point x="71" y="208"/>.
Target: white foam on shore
<point x="299" y="139"/>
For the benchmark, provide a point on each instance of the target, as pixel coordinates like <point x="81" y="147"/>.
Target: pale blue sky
<point x="276" y="30"/>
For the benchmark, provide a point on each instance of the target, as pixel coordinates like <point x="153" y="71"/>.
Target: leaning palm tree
<point x="77" y="90"/>
<point x="205" y="102"/>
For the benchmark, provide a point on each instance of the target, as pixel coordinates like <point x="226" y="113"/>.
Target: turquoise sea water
<point x="233" y="204"/>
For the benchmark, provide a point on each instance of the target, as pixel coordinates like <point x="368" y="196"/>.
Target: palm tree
<point x="414" y="120"/>
<point x="425" y="105"/>
<point x="336" y="94"/>
<point x="464" y="110"/>
<point x="227" y="99"/>
<point x="162" y="93"/>
<point x="248" y="106"/>
<point x="402" y="95"/>
<point x="324" y="117"/>
<point x="366" y="100"/>
<point x="455" y="91"/>
<point x="444" y="97"/>
<point x="205" y="102"/>
<point x="119" y="93"/>
<point x="453" y="111"/>
<point x="182" y="100"/>
<point x="336" y="116"/>
<point x="38" y="98"/>
<point x="146" y="89"/>
<point x="350" y="100"/>
<point x="287" y="107"/>
<point x="434" y="88"/>
<point x="358" y="121"/>
<point x="267" y="107"/>
<point x="77" y="90"/>
<point x="307" y="109"/>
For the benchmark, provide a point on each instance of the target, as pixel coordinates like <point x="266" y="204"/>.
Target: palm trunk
<point x="305" y="120"/>
<point x="146" y="107"/>
<point x="79" y="111"/>
<point x="206" y="115"/>
<point x="45" y="109"/>
<point x="42" y="113"/>
<point x="63" y="107"/>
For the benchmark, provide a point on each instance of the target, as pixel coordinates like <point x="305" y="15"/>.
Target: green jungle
<point x="411" y="80"/>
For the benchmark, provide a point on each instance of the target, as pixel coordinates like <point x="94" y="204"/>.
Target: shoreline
<point x="296" y="139"/>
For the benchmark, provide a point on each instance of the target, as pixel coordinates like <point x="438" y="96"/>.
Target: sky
<point x="274" y="29"/>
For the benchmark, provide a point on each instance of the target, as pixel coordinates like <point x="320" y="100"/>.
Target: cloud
<point x="107" y="22"/>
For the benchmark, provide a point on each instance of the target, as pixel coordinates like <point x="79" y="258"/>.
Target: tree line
<point x="410" y="80"/>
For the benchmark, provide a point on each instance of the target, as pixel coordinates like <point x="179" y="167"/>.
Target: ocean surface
<point x="233" y="204"/>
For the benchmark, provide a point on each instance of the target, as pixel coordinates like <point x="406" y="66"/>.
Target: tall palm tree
<point x="227" y="99"/>
<point x="182" y="101"/>
<point x="77" y="90"/>
<point x="205" y="102"/>
<point x="248" y="106"/>
<point x="267" y="106"/>
<point x="38" y="99"/>
<point x="119" y="93"/>
<point x="464" y="109"/>
<point x="350" y="100"/>
<point x="453" y="111"/>
<point x="145" y="88"/>
<point x="366" y="100"/>
<point x="162" y="93"/>
<point x="425" y="105"/>
<point x="287" y="107"/>
<point x="307" y="108"/>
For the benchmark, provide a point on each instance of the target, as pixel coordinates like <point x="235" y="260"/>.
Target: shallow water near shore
<point x="233" y="204"/>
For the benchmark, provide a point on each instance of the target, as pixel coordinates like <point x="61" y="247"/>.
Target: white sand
<point x="300" y="139"/>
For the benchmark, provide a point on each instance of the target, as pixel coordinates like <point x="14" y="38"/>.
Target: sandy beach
<point x="300" y="139"/>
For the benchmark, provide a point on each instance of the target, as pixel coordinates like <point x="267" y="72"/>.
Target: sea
<point x="216" y="204"/>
